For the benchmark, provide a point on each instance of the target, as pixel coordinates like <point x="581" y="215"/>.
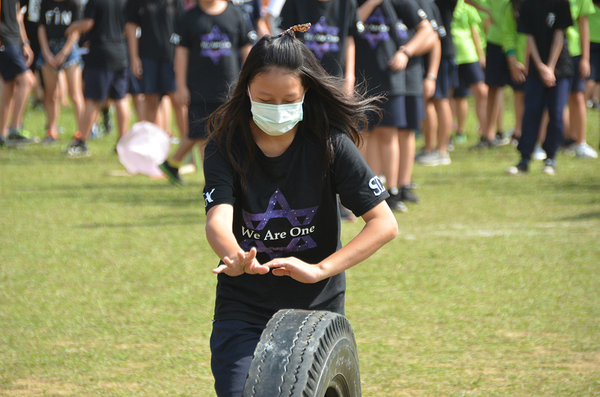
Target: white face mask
<point x="276" y="120"/>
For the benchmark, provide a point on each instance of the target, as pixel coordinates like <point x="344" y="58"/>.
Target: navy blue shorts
<point x="12" y="61"/>
<point x="469" y="74"/>
<point x="496" y="69"/>
<point x="578" y="84"/>
<point x="415" y="112"/>
<point x="595" y="61"/>
<point x="232" y="345"/>
<point x="100" y="84"/>
<point x="518" y="87"/>
<point x="134" y="85"/>
<point x="158" y="77"/>
<point x="393" y="113"/>
<point x="447" y="78"/>
<point x="198" y="114"/>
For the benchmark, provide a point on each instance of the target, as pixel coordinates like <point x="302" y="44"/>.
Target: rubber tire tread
<point x="305" y="354"/>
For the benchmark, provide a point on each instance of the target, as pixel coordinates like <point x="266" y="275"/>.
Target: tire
<point x="305" y="354"/>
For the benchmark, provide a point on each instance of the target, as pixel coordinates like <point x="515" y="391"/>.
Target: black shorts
<point x="12" y="61"/>
<point x="595" y="61"/>
<point x="496" y="69"/>
<point x="393" y="113"/>
<point x="469" y="74"/>
<point x="134" y="85"/>
<point x="158" y="77"/>
<point x="578" y="84"/>
<point x="198" y="114"/>
<point x="415" y="112"/>
<point x="100" y="84"/>
<point x="447" y="78"/>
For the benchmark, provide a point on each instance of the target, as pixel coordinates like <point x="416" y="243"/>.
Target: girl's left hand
<point x="296" y="269"/>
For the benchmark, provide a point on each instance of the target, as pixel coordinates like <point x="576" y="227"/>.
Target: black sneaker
<point x="549" y="167"/>
<point x="519" y="169"/>
<point x="407" y="196"/>
<point x="77" y="149"/>
<point x="482" y="144"/>
<point x="395" y="203"/>
<point x="16" y="138"/>
<point x="172" y="173"/>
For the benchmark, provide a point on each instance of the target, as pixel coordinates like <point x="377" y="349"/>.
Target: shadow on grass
<point x="582" y="217"/>
<point x="190" y="218"/>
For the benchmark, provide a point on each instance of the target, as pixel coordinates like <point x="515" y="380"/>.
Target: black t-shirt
<point x="108" y="46"/>
<point x="56" y="16"/>
<point x="446" y="10"/>
<point x="157" y="19"/>
<point x="540" y="18"/>
<point x="31" y="20"/>
<point x="9" y="26"/>
<point x="289" y="209"/>
<point x="332" y="22"/>
<point x="379" y="39"/>
<point x="214" y="42"/>
<point x="251" y="11"/>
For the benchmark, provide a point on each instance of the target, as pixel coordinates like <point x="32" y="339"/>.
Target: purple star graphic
<point x="215" y="45"/>
<point x="322" y="38"/>
<point x="377" y="28"/>
<point x="279" y="208"/>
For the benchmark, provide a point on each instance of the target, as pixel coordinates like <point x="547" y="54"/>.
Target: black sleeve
<point x="219" y="178"/>
<point x="43" y="9"/>
<point x="244" y="29"/>
<point x="90" y="10"/>
<point x="359" y="188"/>
<point x="409" y="12"/>
<point x="132" y="14"/>
<point x="564" y="18"/>
<point x="288" y="15"/>
<point x="525" y="18"/>
<point x="181" y="30"/>
<point x="353" y="18"/>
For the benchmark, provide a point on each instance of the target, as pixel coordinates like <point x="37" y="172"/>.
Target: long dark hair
<point x="326" y="104"/>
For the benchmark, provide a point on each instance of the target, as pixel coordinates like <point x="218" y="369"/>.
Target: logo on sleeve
<point x="550" y="19"/>
<point x="422" y="13"/>
<point x="175" y="39"/>
<point x="376" y="185"/>
<point x="208" y="197"/>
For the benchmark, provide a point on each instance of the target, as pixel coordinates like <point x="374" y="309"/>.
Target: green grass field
<point x="492" y="287"/>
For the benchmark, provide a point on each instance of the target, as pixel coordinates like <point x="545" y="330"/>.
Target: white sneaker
<point x="538" y="153"/>
<point x="549" y="167"/>
<point x="444" y="159"/>
<point x="429" y="159"/>
<point x="585" y="151"/>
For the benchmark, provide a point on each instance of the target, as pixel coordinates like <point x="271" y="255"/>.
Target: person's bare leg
<point x="372" y="153"/>
<point x="151" y="104"/>
<point x="444" y="112"/>
<point x="406" y="143"/>
<point x="181" y="114"/>
<point x="51" y="99"/>
<point x="462" y="110"/>
<point x="390" y="154"/>
<point x="8" y="91"/>
<point x="578" y="116"/>
<point x="492" y="112"/>
<point x="74" y="82"/>
<point x="480" y="93"/>
<point x="24" y="84"/>
<point x="122" y="111"/>
<point x="89" y="117"/>
<point x="430" y="126"/>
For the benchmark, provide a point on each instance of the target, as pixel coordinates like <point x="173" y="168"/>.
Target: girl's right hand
<point x="245" y="262"/>
<point x="136" y="67"/>
<point x="547" y="75"/>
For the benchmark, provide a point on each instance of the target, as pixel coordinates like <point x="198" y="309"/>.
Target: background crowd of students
<point x="423" y="56"/>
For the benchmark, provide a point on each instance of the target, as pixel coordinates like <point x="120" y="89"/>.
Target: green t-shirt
<point x="579" y="8"/>
<point x="497" y="8"/>
<point x="463" y="18"/>
<point x="594" y="22"/>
